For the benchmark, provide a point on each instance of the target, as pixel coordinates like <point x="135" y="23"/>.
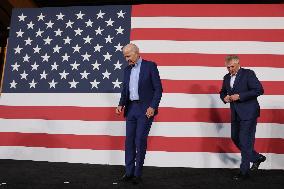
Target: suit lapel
<point x="128" y="72"/>
<point x="237" y="80"/>
<point x="227" y="82"/>
<point x="141" y="74"/>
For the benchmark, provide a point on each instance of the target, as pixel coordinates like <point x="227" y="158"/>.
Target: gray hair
<point x="131" y="46"/>
<point x="228" y="58"/>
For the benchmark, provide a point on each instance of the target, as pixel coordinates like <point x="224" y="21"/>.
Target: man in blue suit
<point x="140" y="98"/>
<point x="241" y="88"/>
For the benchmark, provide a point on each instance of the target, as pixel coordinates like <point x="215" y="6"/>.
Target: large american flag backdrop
<point x="63" y="76"/>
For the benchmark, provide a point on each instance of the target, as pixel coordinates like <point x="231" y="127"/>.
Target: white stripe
<point x="176" y="100"/>
<point x="210" y="47"/>
<point x="179" y="100"/>
<point x="60" y="99"/>
<point x="215" y="73"/>
<point x="117" y="128"/>
<point x="116" y="157"/>
<point x="209" y="22"/>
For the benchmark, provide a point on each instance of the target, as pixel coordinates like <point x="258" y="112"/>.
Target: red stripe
<point x="191" y="86"/>
<point x="273" y="87"/>
<point x="216" y="10"/>
<point x="170" y="144"/>
<point x="213" y="60"/>
<point x="59" y="113"/>
<point x="213" y="86"/>
<point x="177" y="34"/>
<point x="213" y="115"/>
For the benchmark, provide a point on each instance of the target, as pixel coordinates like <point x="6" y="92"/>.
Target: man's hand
<point x="227" y="99"/>
<point x="118" y="110"/>
<point x="235" y="97"/>
<point x="150" y="112"/>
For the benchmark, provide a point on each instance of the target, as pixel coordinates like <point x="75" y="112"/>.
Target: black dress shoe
<point x="256" y="164"/>
<point x="137" y="180"/>
<point x="123" y="179"/>
<point x="240" y="177"/>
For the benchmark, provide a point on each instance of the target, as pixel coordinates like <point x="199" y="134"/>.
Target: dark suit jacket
<point x="249" y="88"/>
<point x="149" y="87"/>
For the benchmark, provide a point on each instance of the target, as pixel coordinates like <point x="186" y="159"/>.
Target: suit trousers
<point x="243" y="135"/>
<point x="137" y="130"/>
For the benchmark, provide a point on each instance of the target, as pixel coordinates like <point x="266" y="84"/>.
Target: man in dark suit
<point x="241" y="88"/>
<point x="140" y="98"/>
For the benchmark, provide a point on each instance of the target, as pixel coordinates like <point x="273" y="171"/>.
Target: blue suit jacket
<point x="149" y="87"/>
<point x="249" y="88"/>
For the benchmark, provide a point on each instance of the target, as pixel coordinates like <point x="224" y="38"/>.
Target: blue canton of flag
<point x="75" y="49"/>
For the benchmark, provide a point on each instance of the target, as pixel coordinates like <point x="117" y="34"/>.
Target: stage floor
<point x="40" y="175"/>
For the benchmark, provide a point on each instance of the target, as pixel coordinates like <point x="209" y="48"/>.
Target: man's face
<point x="233" y="66"/>
<point x="131" y="56"/>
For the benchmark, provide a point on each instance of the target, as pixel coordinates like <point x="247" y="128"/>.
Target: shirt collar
<point x="139" y="61"/>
